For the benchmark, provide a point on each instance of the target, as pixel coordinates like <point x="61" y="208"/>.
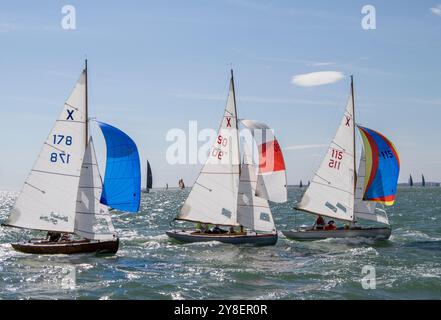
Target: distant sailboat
<point x="149" y="179"/>
<point x="64" y="193"/>
<point x="423" y="181"/>
<point x="181" y="184"/>
<point x="234" y="194"/>
<point x="410" y="181"/>
<point x="336" y="192"/>
<point x="300" y="184"/>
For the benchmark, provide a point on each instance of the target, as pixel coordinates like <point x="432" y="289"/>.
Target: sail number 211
<point x="336" y="157"/>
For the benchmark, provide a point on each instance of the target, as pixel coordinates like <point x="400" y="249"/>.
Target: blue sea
<point x="151" y="266"/>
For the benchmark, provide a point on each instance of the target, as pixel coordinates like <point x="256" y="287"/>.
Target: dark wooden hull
<point x="269" y="239"/>
<point x="68" y="247"/>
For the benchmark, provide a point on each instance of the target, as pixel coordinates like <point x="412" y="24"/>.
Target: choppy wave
<point x="151" y="266"/>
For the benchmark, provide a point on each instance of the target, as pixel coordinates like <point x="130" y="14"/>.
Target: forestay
<point x="48" y="198"/>
<point x="213" y="198"/>
<point x="271" y="179"/>
<point x="331" y="192"/>
<point x="122" y="179"/>
<point x="92" y="219"/>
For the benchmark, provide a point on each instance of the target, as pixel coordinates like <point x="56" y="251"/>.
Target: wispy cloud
<point x="317" y="78"/>
<point x="321" y="64"/>
<point x="305" y="146"/>
<point x="436" y="10"/>
<point x="7" y="27"/>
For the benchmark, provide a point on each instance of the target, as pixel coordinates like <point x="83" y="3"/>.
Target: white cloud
<point x="305" y="146"/>
<point x="317" y="78"/>
<point x="436" y="10"/>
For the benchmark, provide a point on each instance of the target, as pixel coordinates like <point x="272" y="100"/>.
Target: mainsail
<point x="382" y="167"/>
<point x="331" y="192"/>
<point x="423" y="181"/>
<point x="122" y="179"/>
<point x="47" y="200"/>
<point x="92" y="219"/>
<point x="213" y="198"/>
<point x="271" y="179"/>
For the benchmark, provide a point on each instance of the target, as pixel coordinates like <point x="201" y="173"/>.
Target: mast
<point x="237" y="120"/>
<point x="353" y="129"/>
<point x="87" y="105"/>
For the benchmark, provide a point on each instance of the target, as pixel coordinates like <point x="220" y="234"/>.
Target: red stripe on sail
<point x="271" y="157"/>
<point x="374" y="150"/>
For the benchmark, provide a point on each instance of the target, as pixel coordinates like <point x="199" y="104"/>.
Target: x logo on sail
<point x="228" y="122"/>
<point x="347" y="121"/>
<point x="70" y="114"/>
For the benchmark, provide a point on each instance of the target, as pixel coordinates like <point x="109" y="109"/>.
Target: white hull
<point x="308" y="234"/>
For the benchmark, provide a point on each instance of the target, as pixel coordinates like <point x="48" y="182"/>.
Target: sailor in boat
<point x="53" y="236"/>
<point x="319" y="223"/>
<point x="331" y="225"/>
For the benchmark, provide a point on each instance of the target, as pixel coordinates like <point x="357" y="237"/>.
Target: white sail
<point x="271" y="179"/>
<point x="92" y="220"/>
<point x="366" y="209"/>
<point x="331" y="192"/>
<point x="252" y="212"/>
<point x="213" y="198"/>
<point x="48" y="198"/>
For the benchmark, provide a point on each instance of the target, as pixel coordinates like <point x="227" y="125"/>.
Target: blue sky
<point x="156" y="65"/>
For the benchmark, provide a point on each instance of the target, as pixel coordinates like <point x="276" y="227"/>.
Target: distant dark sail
<point x="149" y="182"/>
<point x="309" y="182"/>
<point x="423" y="181"/>
<point x="301" y="184"/>
<point x="410" y="181"/>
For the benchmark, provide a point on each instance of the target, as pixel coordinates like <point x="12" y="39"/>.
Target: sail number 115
<point x="336" y="157"/>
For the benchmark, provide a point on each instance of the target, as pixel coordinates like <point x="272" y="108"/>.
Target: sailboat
<point x="149" y="179"/>
<point x="337" y="192"/>
<point x="234" y="194"/>
<point x="300" y="184"/>
<point x="64" y="193"/>
<point x="181" y="184"/>
<point x="423" y="181"/>
<point x="410" y="181"/>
